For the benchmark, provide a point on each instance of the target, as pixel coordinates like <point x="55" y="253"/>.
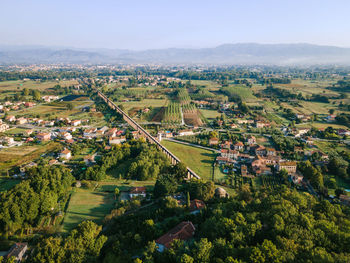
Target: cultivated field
<point x="16" y="156"/>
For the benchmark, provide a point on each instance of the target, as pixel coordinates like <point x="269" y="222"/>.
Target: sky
<point x="152" y="24"/>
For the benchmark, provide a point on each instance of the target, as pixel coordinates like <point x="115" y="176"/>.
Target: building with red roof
<point x="183" y="231"/>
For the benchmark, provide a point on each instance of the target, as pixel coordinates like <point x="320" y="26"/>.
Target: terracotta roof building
<point x="183" y="231"/>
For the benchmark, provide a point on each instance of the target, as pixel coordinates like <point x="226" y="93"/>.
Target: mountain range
<point x="229" y="54"/>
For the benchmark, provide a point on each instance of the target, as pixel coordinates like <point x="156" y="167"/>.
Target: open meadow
<point x="18" y="85"/>
<point x="87" y="204"/>
<point x="199" y="160"/>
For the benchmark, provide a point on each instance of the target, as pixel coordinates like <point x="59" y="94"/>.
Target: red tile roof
<point x="196" y="205"/>
<point x="183" y="231"/>
<point x="138" y="190"/>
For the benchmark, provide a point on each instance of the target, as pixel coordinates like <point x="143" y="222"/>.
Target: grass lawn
<point x="14" y="131"/>
<point x="243" y="92"/>
<point x="87" y="205"/>
<point x="210" y="114"/>
<point x="199" y="160"/>
<point x="111" y="183"/>
<point x="7" y="184"/>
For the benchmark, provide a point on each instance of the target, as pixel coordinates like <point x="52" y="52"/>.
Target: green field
<point x="31" y="84"/>
<point x="210" y="114"/>
<point x="244" y="93"/>
<point x="87" y="205"/>
<point x="143" y="103"/>
<point x="199" y="160"/>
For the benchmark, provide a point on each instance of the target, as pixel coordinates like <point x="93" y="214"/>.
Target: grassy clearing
<point x="87" y="205"/>
<point x="124" y="185"/>
<point x="206" y="83"/>
<point x="199" y="160"/>
<point x="210" y="114"/>
<point x="7" y="184"/>
<point x="321" y="125"/>
<point x="243" y="93"/>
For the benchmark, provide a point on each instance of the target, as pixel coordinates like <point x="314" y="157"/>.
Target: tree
<point x="36" y="95"/>
<point x="188" y="200"/>
<point x="116" y="192"/>
<point x="69" y="106"/>
<point x="165" y="185"/>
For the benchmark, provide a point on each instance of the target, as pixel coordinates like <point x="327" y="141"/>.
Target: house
<point x="290" y="167"/>
<point x="65" y="154"/>
<point x="196" y="205"/>
<point x="296" y="178"/>
<point x="224" y="160"/>
<point x="10" y="118"/>
<point x="29" y="104"/>
<point x="251" y="140"/>
<point x="21" y="120"/>
<point x="137" y="191"/>
<point x="53" y="161"/>
<point x="49" y="98"/>
<point x="183" y="231"/>
<point x="261" y="124"/>
<point x="17" y="251"/>
<point x="343" y="132"/>
<point x="111" y="132"/>
<point x="117" y="140"/>
<point x="66" y="135"/>
<point x="89" y="159"/>
<point x="239" y="146"/>
<point x="91" y="132"/>
<point x="213" y="141"/>
<point x="271" y="152"/>
<point x="76" y="123"/>
<point x="309" y="141"/>
<point x="44" y="136"/>
<point x="261" y="150"/>
<point x="185" y="132"/>
<point x="9" y="140"/>
<point x="228" y="153"/>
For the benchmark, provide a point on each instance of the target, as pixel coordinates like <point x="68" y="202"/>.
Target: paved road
<point x="194" y="145"/>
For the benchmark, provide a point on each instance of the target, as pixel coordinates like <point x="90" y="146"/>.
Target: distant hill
<point x="248" y="53"/>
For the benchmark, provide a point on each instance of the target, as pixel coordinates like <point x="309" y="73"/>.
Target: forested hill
<point x="245" y="53"/>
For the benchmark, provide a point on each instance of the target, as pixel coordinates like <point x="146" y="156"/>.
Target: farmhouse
<point x="76" y="123"/>
<point x="17" y="251"/>
<point x="251" y="140"/>
<point x="185" y="132"/>
<point x="117" y="140"/>
<point x="137" y="191"/>
<point x="213" y="141"/>
<point x="290" y="167"/>
<point x="43" y="136"/>
<point x="65" y="154"/>
<point x="183" y="231"/>
<point x="239" y="146"/>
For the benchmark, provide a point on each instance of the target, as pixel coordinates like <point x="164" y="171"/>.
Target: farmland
<point x="30" y="84"/>
<point x="16" y="156"/>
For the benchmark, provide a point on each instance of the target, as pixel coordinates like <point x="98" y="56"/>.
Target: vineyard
<point x="172" y="114"/>
<point x="270" y="181"/>
<point x="183" y="97"/>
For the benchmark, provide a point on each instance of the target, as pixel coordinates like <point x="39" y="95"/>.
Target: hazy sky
<point x="148" y="24"/>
